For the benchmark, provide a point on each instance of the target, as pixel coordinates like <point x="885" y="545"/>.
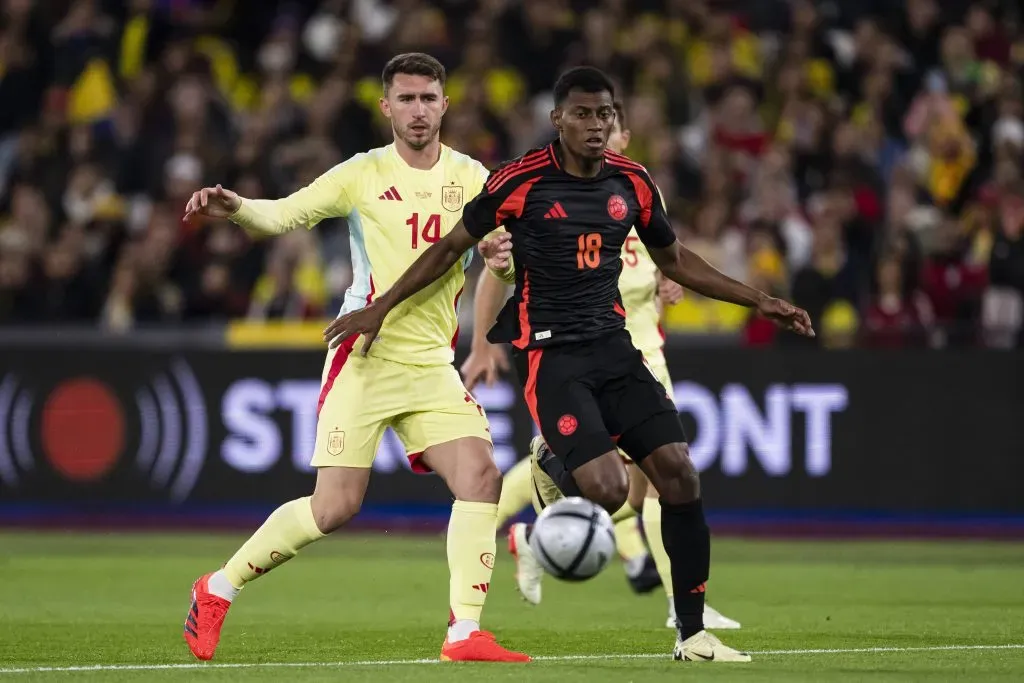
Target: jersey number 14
<point x="430" y="232"/>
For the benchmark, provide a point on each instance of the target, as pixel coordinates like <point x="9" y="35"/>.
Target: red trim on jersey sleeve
<point x="499" y="177"/>
<point x="619" y="309"/>
<point x="643" y="195"/>
<point x="514" y="204"/>
<point x="535" y="166"/>
<point x="369" y="297"/>
<point x="617" y="159"/>
<point x="524" y="315"/>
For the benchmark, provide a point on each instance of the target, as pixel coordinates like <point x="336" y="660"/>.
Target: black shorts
<point x="589" y="397"/>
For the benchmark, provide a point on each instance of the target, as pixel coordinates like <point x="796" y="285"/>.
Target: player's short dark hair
<point x="620" y="114"/>
<point x="585" y="78"/>
<point x="412" y="64"/>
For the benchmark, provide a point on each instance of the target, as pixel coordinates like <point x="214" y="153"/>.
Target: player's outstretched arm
<point x="325" y="197"/>
<point x="692" y="272"/>
<point x="435" y="262"/>
<point x="485" y="359"/>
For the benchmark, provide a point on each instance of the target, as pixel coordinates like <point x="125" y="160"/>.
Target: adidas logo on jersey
<point x="392" y="194"/>
<point x="556" y="211"/>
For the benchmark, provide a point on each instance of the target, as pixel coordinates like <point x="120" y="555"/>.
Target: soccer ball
<point x="573" y="539"/>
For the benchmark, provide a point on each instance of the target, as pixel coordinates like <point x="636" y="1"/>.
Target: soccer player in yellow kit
<point x="398" y="200"/>
<point x="643" y="291"/>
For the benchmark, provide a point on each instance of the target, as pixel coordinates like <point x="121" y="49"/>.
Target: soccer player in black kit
<point x="569" y="207"/>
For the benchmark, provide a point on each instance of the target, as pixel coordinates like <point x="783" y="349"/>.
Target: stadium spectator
<point x="826" y="151"/>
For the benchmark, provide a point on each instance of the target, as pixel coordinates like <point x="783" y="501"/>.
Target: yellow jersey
<point x="394" y="212"/>
<point x="638" y="286"/>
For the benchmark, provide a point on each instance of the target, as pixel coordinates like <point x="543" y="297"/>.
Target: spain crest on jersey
<point x="336" y="443"/>
<point x="451" y="197"/>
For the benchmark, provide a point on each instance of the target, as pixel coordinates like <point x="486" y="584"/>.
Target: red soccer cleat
<point x="479" y="647"/>
<point x="204" y="619"/>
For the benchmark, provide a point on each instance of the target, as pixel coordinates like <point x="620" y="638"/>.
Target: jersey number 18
<point x="589" y="253"/>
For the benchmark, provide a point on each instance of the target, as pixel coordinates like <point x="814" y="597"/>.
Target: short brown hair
<point x="620" y="114"/>
<point x="412" y="64"/>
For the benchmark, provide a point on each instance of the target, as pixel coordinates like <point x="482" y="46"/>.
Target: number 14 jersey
<point x="394" y="213"/>
<point x="567" y="237"/>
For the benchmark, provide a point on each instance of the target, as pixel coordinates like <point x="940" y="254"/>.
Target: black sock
<point x="688" y="544"/>
<point x="555" y="468"/>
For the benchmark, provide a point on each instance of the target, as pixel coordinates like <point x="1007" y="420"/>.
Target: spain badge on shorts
<point x="335" y="443"/>
<point x="451" y="197"/>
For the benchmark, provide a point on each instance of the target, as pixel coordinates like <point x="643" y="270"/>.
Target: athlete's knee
<point x="476" y="480"/>
<point x="338" y="496"/>
<point x="675" y="477"/>
<point x="332" y="512"/>
<point x="604" y="482"/>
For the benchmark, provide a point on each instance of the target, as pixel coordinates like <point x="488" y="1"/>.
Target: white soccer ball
<point x="573" y="539"/>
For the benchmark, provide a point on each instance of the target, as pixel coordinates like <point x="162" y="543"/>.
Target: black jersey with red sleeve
<point x="567" y="235"/>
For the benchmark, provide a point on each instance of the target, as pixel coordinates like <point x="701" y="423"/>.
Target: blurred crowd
<point x="862" y="157"/>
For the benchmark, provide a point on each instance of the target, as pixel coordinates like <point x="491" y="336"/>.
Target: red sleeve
<point x="503" y="196"/>
<point x="653" y="226"/>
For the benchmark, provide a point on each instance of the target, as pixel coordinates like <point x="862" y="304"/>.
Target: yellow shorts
<point x="360" y="397"/>
<point x="659" y="368"/>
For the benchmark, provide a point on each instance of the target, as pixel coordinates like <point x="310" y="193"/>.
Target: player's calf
<point x="684" y="532"/>
<point x="467" y="467"/>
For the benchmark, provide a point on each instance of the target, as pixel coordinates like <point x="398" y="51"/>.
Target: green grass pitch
<point x="366" y="607"/>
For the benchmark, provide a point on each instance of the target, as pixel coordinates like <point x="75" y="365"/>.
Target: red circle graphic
<point x="82" y="429"/>
<point x="567" y="424"/>
<point x="617" y="207"/>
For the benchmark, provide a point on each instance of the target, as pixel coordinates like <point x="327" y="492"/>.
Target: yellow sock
<point x="628" y="540"/>
<point x="289" y="528"/>
<point x="626" y="512"/>
<point x="652" y="527"/>
<point x="516" y="490"/>
<point x="471" y="549"/>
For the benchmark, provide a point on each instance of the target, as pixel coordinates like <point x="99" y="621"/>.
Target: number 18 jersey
<point x="567" y="236"/>
<point x="394" y="213"/>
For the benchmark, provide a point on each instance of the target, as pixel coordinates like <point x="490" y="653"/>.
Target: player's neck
<point x="420" y="159"/>
<point x="578" y="166"/>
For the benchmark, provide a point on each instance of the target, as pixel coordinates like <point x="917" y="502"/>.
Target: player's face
<point x="584" y="122"/>
<point x="415" y="105"/>
<point x="618" y="141"/>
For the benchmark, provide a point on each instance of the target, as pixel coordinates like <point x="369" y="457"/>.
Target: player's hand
<point x="497" y="251"/>
<point x="486" y="363"/>
<point x="366" y="321"/>
<point x="786" y="316"/>
<point x="669" y="291"/>
<point x="215" y="202"/>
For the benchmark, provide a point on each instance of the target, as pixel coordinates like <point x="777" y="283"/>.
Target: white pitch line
<point x="396" y="662"/>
